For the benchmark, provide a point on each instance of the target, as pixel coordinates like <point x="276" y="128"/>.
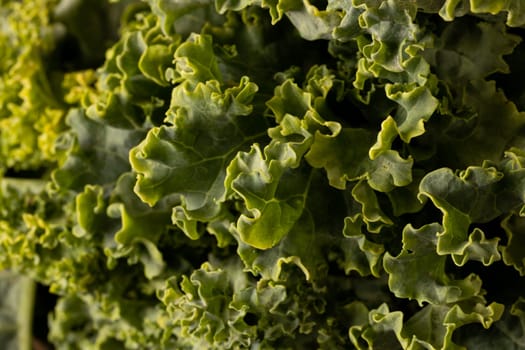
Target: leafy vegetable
<point x="264" y="174"/>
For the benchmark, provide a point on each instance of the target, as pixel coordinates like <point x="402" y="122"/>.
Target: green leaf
<point x="512" y="326"/>
<point x="472" y="196"/>
<point x="313" y="235"/>
<point x="372" y="214"/>
<point x="436" y="326"/>
<point x="154" y="62"/>
<point x="183" y="17"/>
<point x="418" y="272"/>
<point x="277" y="8"/>
<point x="129" y="92"/>
<point x="188" y="158"/>
<point x="457" y="57"/>
<point x="389" y="41"/>
<point x="360" y="254"/>
<point x="107" y="323"/>
<point x="514" y="14"/>
<point x="205" y="299"/>
<point x="383" y="330"/>
<point x="220" y="306"/>
<point x="141" y="228"/>
<point x="274" y="194"/>
<point x="405" y="199"/>
<point x="91" y="211"/>
<point x="512" y="253"/>
<point x="473" y="135"/>
<point x="345" y="158"/>
<point x="416" y="106"/>
<point x="96" y="153"/>
<point x="195" y="60"/>
<point x="432" y="327"/>
<point x="313" y="23"/>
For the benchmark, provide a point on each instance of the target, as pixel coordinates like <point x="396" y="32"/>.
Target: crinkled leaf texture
<point x="266" y="174"/>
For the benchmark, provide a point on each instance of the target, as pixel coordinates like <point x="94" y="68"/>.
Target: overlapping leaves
<point x="243" y="174"/>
